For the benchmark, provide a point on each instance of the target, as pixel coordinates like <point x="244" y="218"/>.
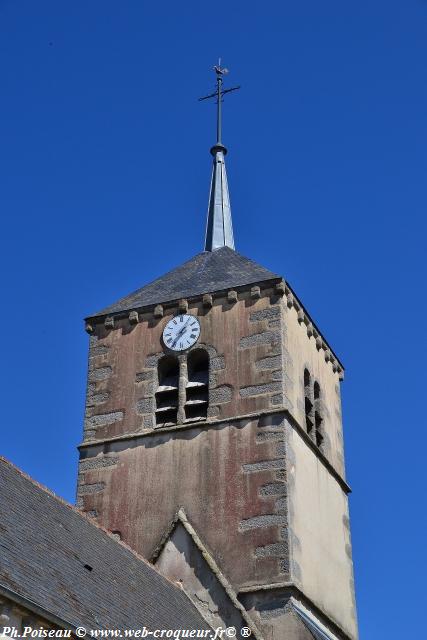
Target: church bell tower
<point x="213" y="440"/>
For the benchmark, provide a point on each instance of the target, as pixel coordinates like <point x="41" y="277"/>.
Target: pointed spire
<point x="219" y="228"/>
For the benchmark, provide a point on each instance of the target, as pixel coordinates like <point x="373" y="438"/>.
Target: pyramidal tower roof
<point x="219" y="266"/>
<point x="206" y="272"/>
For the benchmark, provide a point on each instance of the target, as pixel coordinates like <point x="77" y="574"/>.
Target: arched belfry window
<point x="308" y="402"/>
<point x="167" y="394"/>
<point x="313" y="408"/>
<point x="317" y="415"/>
<point x="197" y="390"/>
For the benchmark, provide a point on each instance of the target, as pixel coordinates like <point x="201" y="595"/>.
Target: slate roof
<point x="45" y="544"/>
<point x="206" y="272"/>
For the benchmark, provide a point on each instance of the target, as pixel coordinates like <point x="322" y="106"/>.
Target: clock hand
<point x="180" y="333"/>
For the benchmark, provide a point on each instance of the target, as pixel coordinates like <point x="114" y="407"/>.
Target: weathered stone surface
<point x="103" y="419"/>
<point x="158" y="311"/>
<point x="265" y="314"/>
<point x="213" y="412"/>
<point x="221" y="394"/>
<point x="232" y="296"/>
<point x="99" y="462"/>
<point x="183" y="305"/>
<point x="277" y="549"/>
<point x="102" y="373"/>
<point x="259" y="389"/>
<point x="280" y="288"/>
<point x="148" y="422"/>
<point x="95" y="399"/>
<point x="89" y="489"/>
<point x="217" y="363"/>
<point x="264" y="465"/>
<point x="258" y="339"/>
<point x="145" y="405"/>
<point x="144" y="376"/>
<point x="151" y="361"/>
<point x="260" y="522"/>
<point x="270" y="362"/>
<point x="269" y="436"/>
<point x="99" y="350"/>
<point x="273" y="489"/>
<point x="207" y="301"/>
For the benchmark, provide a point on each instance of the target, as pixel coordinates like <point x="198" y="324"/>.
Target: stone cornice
<point x="175" y="303"/>
<point x="295" y="591"/>
<point x="213" y="422"/>
<point x="275" y="286"/>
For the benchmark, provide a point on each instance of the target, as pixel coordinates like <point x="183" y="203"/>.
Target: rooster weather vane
<point x="219" y="93"/>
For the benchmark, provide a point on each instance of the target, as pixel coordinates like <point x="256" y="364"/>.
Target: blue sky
<point x="104" y="173"/>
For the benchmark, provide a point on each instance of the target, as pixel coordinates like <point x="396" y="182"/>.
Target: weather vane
<point x="219" y="94"/>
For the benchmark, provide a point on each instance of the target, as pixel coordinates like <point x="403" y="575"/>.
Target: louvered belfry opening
<point x="167" y="391"/>
<point x="308" y="402"/>
<point x="317" y="415"/>
<point x="197" y="391"/>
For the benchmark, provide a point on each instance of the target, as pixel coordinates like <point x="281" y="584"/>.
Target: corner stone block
<point x="158" y="311"/>
<point x="133" y="317"/>
<point x="109" y="322"/>
<point x="88" y="327"/>
<point x="183" y="306"/>
<point x="255" y="293"/>
<point x="280" y="288"/>
<point x="207" y="301"/>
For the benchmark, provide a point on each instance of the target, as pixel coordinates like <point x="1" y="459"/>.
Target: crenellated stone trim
<point x="274" y="289"/>
<point x="254" y="290"/>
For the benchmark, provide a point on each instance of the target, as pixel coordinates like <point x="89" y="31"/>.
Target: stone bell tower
<point x="213" y="439"/>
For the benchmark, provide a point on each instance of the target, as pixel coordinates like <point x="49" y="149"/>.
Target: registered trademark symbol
<point x="245" y="632"/>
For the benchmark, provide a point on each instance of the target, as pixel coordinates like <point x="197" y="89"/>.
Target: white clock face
<point x="181" y="332"/>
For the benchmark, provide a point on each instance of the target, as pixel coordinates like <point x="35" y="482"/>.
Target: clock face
<point x="181" y="332"/>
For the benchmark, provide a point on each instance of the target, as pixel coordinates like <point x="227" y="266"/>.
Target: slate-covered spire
<point x="219" y="227"/>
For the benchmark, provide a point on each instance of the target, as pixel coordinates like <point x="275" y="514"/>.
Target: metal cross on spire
<point x="219" y="94"/>
<point x="219" y="228"/>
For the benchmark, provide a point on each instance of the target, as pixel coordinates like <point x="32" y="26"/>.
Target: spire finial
<point x="219" y="228"/>
<point x="219" y="94"/>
